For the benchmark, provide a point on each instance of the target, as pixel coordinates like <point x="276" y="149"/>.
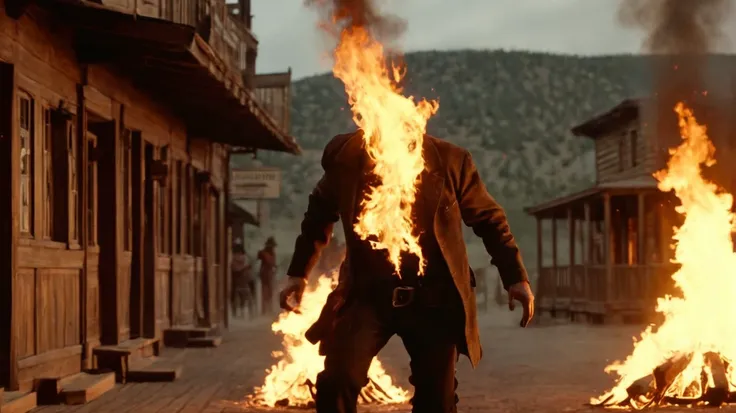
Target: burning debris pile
<point x="688" y="359"/>
<point x="290" y="382"/>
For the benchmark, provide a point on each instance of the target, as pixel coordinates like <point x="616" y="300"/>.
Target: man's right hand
<point x="522" y="292"/>
<point x="292" y="292"/>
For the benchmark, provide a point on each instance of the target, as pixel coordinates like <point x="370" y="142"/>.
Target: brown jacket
<point x="451" y="183"/>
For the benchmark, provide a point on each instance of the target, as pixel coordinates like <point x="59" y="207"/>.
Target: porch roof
<point x="646" y="183"/>
<point x="240" y="210"/>
<point x="175" y="64"/>
<point x="599" y="125"/>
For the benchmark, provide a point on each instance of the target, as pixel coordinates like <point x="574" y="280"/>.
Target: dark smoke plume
<point x="340" y="15"/>
<point x="678" y="26"/>
<point x="682" y="35"/>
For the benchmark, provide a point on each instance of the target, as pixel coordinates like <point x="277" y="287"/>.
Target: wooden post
<point x="540" y="256"/>
<point x="555" y="281"/>
<point x="569" y="276"/>
<point x="641" y="230"/>
<point x="607" y="245"/>
<point x="588" y="252"/>
<point x="571" y="235"/>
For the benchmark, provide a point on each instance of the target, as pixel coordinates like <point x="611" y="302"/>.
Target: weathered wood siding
<point x="78" y="268"/>
<point x="624" y="153"/>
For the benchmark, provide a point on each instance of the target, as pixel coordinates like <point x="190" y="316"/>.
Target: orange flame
<point x="393" y="131"/>
<point x="300" y="362"/>
<point x="702" y="320"/>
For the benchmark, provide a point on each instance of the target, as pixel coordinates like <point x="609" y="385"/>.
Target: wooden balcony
<point x="273" y="92"/>
<point x="227" y="34"/>
<point x="591" y="292"/>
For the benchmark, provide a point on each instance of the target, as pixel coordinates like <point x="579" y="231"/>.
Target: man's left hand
<point x="522" y="293"/>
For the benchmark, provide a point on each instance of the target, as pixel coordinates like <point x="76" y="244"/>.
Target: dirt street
<point x="547" y="368"/>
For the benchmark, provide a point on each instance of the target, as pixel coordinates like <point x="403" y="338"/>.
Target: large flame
<point x="702" y="320"/>
<point x="393" y="131"/>
<point x="288" y="381"/>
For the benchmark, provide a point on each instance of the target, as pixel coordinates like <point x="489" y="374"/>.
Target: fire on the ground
<point x="290" y="382"/>
<point x="688" y="359"/>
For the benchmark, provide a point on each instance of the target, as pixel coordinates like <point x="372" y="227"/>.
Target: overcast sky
<point x="289" y="38"/>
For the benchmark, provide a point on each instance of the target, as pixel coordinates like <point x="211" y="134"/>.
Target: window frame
<point x="26" y="213"/>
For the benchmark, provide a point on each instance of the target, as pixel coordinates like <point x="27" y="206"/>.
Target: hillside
<point x="512" y="110"/>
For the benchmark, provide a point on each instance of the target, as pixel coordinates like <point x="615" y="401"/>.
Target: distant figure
<point x="242" y="282"/>
<point x="267" y="256"/>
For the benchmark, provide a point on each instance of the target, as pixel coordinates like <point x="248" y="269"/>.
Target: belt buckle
<point x="402" y="296"/>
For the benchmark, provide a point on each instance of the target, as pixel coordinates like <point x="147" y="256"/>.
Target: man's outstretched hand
<point x="522" y="293"/>
<point x="292" y="292"/>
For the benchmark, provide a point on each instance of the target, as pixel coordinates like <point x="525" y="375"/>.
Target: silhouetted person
<point x="267" y="256"/>
<point x="243" y="284"/>
<point x="435" y="315"/>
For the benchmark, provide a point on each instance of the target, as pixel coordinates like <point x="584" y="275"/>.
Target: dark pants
<point x="430" y="336"/>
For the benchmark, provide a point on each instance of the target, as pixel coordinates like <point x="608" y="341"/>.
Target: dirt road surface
<point x="545" y="368"/>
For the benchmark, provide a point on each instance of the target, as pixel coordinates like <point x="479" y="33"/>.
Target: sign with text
<point x="255" y="183"/>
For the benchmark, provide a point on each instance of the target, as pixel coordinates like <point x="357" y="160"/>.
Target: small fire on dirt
<point x="689" y="359"/>
<point x="290" y="382"/>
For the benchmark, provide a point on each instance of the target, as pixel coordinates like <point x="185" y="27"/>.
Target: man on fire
<point x="434" y="314"/>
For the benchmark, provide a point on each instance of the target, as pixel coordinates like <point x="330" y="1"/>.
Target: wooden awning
<point x="575" y="200"/>
<point x="174" y="63"/>
<point x="240" y="211"/>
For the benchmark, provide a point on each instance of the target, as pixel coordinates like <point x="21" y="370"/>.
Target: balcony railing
<point x="220" y="25"/>
<point x="273" y="92"/>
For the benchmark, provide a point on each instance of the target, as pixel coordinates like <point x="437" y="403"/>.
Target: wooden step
<point x="154" y="369"/>
<point x="179" y="336"/>
<point x="18" y="402"/>
<point x="211" y="341"/>
<point x="119" y="358"/>
<point x="84" y="387"/>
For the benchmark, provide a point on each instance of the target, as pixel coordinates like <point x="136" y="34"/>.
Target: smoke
<point x="337" y="16"/>
<point x="678" y="26"/>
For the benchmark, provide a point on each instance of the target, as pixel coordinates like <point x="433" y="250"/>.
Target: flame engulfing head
<point x="392" y="125"/>
<point x="701" y="321"/>
<point x="290" y="381"/>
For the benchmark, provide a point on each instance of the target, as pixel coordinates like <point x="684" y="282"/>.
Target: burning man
<point x="435" y="313"/>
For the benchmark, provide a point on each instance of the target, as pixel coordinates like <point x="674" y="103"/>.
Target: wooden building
<point x="116" y="120"/>
<point x="618" y="233"/>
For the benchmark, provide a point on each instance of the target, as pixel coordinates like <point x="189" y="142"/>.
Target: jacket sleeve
<point x="316" y="228"/>
<point x="488" y="220"/>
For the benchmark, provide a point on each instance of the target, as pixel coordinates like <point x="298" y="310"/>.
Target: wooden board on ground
<point x="154" y="369"/>
<point x="84" y="387"/>
<point x="18" y="402"/>
<point x="212" y="341"/>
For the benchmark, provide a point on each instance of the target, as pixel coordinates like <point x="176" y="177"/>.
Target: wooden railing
<point x="273" y="92"/>
<point x="629" y="286"/>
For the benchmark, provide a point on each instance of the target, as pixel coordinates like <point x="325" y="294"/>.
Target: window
<point x="91" y="194"/>
<point x="25" y="127"/>
<point x="633" y="143"/>
<point x="48" y="175"/>
<point x="74" y="212"/>
<point x="621" y="152"/>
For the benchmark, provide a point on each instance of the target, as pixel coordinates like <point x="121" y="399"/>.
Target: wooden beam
<point x="540" y="252"/>
<point x="607" y="233"/>
<point x="587" y="252"/>
<point x="641" y="230"/>
<point x="571" y="236"/>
